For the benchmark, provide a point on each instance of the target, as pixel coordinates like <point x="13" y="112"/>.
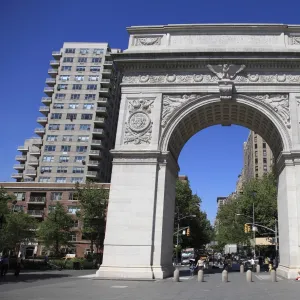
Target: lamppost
<point x="178" y="229"/>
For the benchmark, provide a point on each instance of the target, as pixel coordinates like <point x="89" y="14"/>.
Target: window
<point x="51" y="208"/>
<point x="70" y="50"/>
<point x="255" y="139"/>
<point x="73" y="106"/>
<point x="50" y="148"/>
<point x="18" y="208"/>
<point x="20" y="196"/>
<point x="68" y="59"/>
<point x="73" y="196"/>
<point x="64" y="158"/>
<point x="48" y="158"/>
<point x="80" y="68"/>
<point x="264" y="145"/>
<point x="82" y="59"/>
<point x="75" y="223"/>
<point x="264" y="152"/>
<point x="51" y="138"/>
<point x="255" y="153"/>
<point x="62" y="169"/>
<point x="256" y="168"/>
<point x="72" y="237"/>
<point x="79" y="158"/>
<point x="46" y="169"/>
<point x="65" y="148"/>
<point x="56" y="196"/>
<point x="255" y="146"/>
<point x="91" y="87"/>
<point x="66" y="68"/>
<point x="86" y="116"/>
<point x="81" y="148"/>
<point x="265" y="168"/>
<point x="62" y="87"/>
<point x="64" y="77"/>
<point x="77" y="86"/>
<point x="72" y="116"/>
<point x="54" y="126"/>
<point x="60" y="96"/>
<point x="75" y="96"/>
<point x="96" y="60"/>
<point x="69" y="127"/>
<point x="85" y="127"/>
<point x="88" y="106"/>
<point x="98" y="51"/>
<point x="58" y="105"/>
<point x="56" y="116"/>
<point x="78" y="170"/>
<point x="60" y="179"/>
<point x="67" y="138"/>
<point x="84" y="51"/>
<point x="73" y="209"/>
<point x="83" y="138"/>
<point x="256" y="175"/>
<point x="89" y="96"/>
<point x="264" y="160"/>
<point x="256" y="160"/>
<point x="95" y="69"/>
<point x="93" y="78"/>
<point x="76" y="179"/>
<point x="44" y="179"/>
<point x="79" y="77"/>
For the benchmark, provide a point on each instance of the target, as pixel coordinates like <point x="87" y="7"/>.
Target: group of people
<point x="199" y="265"/>
<point x="4" y="265"/>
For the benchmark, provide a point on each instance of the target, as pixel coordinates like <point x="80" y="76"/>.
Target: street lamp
<point x="178" y="229"/>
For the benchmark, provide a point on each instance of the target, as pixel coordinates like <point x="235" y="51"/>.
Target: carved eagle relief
<point x="226" y="71"/>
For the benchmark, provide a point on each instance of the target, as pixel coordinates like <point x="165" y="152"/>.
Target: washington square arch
<point x="178" y="80"/>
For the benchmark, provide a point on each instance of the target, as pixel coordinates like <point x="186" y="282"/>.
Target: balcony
<point x="98" y="131"/>
<point x="37" y="200"/>
<point x="46" y="100"/>
<point x="30" y="173"/>
<point x="52" y="72"/>
<point x="101" y="111"/>
<point x="17" y="175"/>
<point x="48" y="90"/>
<point x="56" y="54"/>
<point x="105" y="82"/>
<point x="103" y="101"/>
<point x="19" y="167"/>
<point x="104" y="91"/>
<point x="36" y="213"/>
<point x="92" y="174"/>
<point x="99" y="121"/>
<point x="108" y="64"/>
<point x="106" y="72"/>
<point x="39" y="131"/>
<point x="95" y="153"/>
<point x="42" y="120"/>
<point x="23" y="148"/>
<point x="50" y="81"/>
<point x="96" y="144"/>
<point x="35" y="152"/>
<point x="33" y="163"/>
<point x="21" y="158"/>
<point x="93" y="163"/>
<point x="37" y="141"/>
<point x="54" y="63"/>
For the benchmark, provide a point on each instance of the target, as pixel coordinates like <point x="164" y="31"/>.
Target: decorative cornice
<point x="287" y="159"/>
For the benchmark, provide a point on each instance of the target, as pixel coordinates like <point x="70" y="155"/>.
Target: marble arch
<point x="177" y="80"/>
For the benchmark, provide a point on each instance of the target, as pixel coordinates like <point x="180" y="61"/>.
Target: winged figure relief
<point x="226" y="71"/>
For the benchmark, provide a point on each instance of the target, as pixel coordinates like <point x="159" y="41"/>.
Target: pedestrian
<point x="252" y="262"/>
<point x="270" y="265"/>
<point x="192" y="267"/>
<point x="200" y="263"/>
<point x="18" y="266"/>
<point x="4" y="265"/>
<point x="225" y="266"/>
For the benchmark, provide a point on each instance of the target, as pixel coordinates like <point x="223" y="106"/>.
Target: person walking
<point x="4" y="265"/>
<point x="18" y="266"/>
<point x="200" y="264"/>
<point x="192" y="267"/>
<point x="252" y="262"/>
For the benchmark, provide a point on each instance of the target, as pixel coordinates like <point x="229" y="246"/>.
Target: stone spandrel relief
<point x="280" y="104"/>
<point x="148" y="41"/>
<point x="226" y="71"/>
<point x="172" y="103"/>
<point x="138" y="128"/>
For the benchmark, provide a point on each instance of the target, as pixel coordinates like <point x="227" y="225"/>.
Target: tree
<point x="55" y="230"/>
<point x="188" y="204"/>
<point x="93" y="205"/>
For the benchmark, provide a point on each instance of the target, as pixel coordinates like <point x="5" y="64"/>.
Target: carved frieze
<point x="147" y="41"/>
<point x="294" y="40"/>
<point x="138" y="128"/>
<point x="226" y="71"/>
<point x="280" y="104"/>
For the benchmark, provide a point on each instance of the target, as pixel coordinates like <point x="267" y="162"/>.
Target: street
<point x="69" y="285"/>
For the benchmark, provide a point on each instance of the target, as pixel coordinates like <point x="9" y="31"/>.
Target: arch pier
<point x="178" y="80"/>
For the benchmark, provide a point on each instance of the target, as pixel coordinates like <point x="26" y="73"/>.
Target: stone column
<point x="289" y="214"/>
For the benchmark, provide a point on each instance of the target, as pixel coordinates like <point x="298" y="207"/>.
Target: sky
<point x="30" y="30"/>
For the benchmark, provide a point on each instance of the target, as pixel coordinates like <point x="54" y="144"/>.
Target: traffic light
<point x="188" y="231"/>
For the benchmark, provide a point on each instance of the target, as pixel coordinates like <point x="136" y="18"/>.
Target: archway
<point x="168" y="96"/>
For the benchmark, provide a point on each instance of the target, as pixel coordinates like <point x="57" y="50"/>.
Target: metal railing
<point x="92" y="173"/>
<point x="21" y="157"/>
<point x="95" y="152"/>
<point x="19" y="166"/>
<point x="97" y="142"/>
<point x="39" y="199"/>
<point x="35" y="212"/>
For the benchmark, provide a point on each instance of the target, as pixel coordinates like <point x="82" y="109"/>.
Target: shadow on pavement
<point x="28" y="278"/>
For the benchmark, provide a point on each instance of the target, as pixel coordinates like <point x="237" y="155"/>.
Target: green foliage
<point x="262" y="192"/>
<point x="93" y="204"/>
<point x="5" y="201"/>
<point x="55" y="230"/>
<point x="188" y="204"/>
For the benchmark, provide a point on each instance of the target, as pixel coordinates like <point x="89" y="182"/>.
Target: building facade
<point x="258" y="157"/>
<point x="38" y="199"/>
<point x="80" y="118"/>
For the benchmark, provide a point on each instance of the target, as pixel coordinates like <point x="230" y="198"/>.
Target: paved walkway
<point x="74" y="287"/>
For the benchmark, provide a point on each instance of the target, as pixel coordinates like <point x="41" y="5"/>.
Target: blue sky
<point x="30" y="30"/>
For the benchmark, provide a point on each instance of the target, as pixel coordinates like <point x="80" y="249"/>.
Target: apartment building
<point x="258" y="157"/>
<point x="79" y="122"/>
<point x="38" y="199"/>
